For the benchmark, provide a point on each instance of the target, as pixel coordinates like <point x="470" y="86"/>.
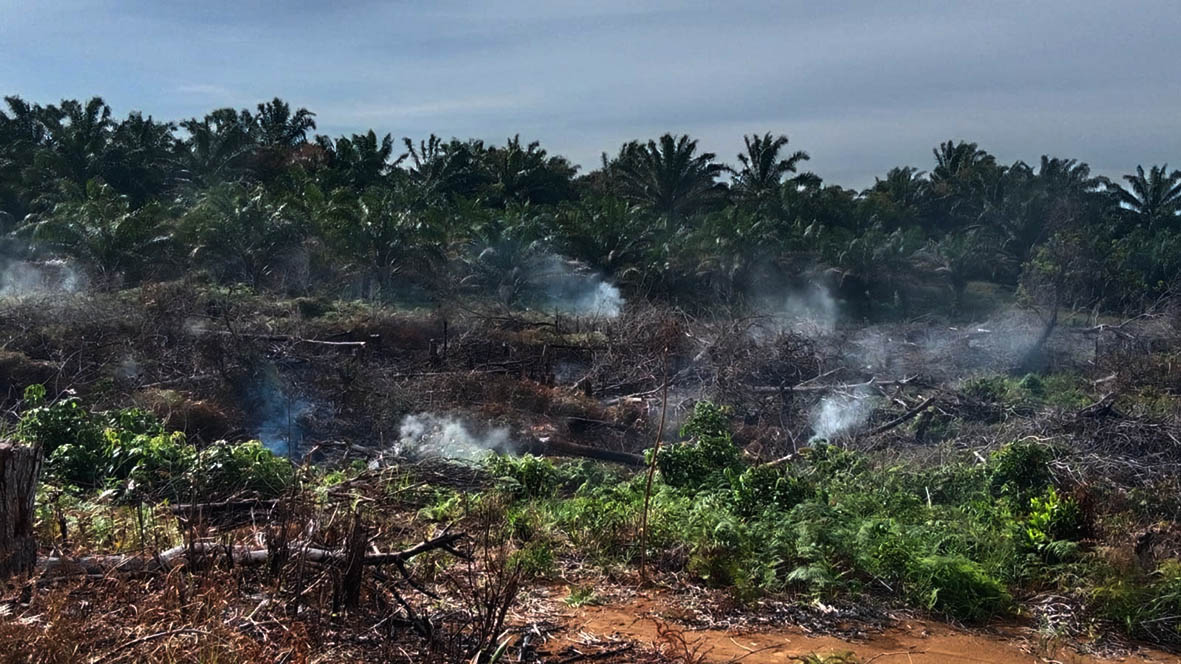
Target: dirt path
<point x="912" y="642"/>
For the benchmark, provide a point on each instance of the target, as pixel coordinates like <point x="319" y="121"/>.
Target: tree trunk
<point x="19" y="468"/>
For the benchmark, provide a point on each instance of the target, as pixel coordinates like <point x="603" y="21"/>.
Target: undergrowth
<point x="960" y="538"/>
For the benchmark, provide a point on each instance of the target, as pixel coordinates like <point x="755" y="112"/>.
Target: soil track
<point x="912" y="641"/>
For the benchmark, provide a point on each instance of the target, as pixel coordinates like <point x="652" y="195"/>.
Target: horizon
<point x="861" y="88"/>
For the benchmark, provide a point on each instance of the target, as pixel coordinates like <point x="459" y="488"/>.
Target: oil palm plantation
<point x="242" y="233"/>
<point x="1153" y="199"/>
<point x="386" y="235"/>
<point x="103" y="232"/>
<point x="360" y="161"/>
<point x="763" y="168"/>
<point x="668" y="176"/>
<point x="519" y="173"/>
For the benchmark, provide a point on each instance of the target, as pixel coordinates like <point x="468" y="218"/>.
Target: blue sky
<point x="862" y="86"/>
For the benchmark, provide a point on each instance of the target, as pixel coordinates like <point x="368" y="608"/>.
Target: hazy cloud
<point x="863" y="86"/>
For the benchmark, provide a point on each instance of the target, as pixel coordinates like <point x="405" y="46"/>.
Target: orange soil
<point x="912" y="642"/>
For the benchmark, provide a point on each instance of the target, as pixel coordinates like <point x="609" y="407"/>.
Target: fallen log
<point x="1104" y="407"/>
<point x="201" y="553"/>
<point x="873" y="382"/>
<point x="550" y="447"/>
<point x="210" y="509"/>
<point x="902" y="418"/>
<point x="284" y="338"/>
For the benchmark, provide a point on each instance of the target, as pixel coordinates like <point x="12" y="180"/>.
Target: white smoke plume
<point x="32" y="278"/>
<point x="427" y="434"/>
<point x="810" y="311"/>
<point x="571" y="288"/>
<point x="837" y="414"/>
<point x="279" y="415"/>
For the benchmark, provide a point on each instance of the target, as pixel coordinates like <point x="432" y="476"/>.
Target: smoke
<point x="279" y="415"/>
<point x="837" y="414"/>
<point x="28" y="278"/>
<point x="426" y="434"/>
<point x="572" y="288"/>
<point x="810" y="311"/>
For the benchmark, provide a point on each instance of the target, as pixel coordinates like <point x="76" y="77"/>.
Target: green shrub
<point x="1148" y="609"/>
<point x="710" y="453"/>
<point x="957" y="587"/>
<point x="63" y="422"/>
<point x="535" y="560"/>
<point x="761" y="488"/>
<point x="223" y="469"/>
<point x="1021" y="470"/>
<point x="707" y="419"/>
<point x="1055" y="522"/>
<point x="526" y="476"/>
<point x="992" y="389"/>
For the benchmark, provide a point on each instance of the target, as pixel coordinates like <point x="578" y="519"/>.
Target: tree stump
<point x="19" y="468"/>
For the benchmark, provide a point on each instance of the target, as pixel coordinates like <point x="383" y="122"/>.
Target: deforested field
<point x="277" y="397"/>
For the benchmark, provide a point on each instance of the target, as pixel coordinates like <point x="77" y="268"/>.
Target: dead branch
<point x="208" y="552"/>
<point x="903" y="417"/>
<point x="562" y="448"/>
<point x="872" y="382"/>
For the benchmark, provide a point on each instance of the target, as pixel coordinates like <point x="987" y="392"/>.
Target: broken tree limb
<point x="552" y="447"/>
<point x="284" y="338"/>
<point x="902" y="418"/>
<point x="872" y="382"/>
<point x="1102" y="408"/>
<point x="209" y="552"/>
<point x="190" y="510"/>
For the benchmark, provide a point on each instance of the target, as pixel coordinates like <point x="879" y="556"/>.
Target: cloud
<point x="862" y="86"/>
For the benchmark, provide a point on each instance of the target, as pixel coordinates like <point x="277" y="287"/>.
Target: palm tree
<point x="1067" y="176"/>
<point x="527" y="174"/>
<point x="361" y="161"/>
<point x="762" y="169"/>
<point x="102" y="231"/>
<point x="958" y="257"/>
<point x="278" y="127"/>
<point x="668" y="176"/>
<point x="899" y="199"/>
<point x="242" y="232"/>
<point x="957" y="160"/>
<point x="442" y="170"/>
<point x="962" y="172"/>
<point x="79" y="137"/>
<point x="606" y="232"/>
<point x="218" y="147"/>
<point x="142" y="160"/>
<point x="1152" y="199"/>
<point x="384" y="232"/>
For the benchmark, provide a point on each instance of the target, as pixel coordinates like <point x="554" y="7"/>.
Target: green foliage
<point x="582" y="596"/>
<point x="958" y="587"/>
<point x="526" y="476"/>
<point x="1058" y="390"/>
<point x="224" y="468"/>
<point x="1021" y="470"/>
<point x="92" y="450"/>
<point x="1147" y="608"/>
<point x="535" y="560"/>
<point x="993" y="389"/>
<point x="1055" y="522"/>
<point x="760" y="488"/>
<point x="708" y="420"/>
<point x="711" y="452"/>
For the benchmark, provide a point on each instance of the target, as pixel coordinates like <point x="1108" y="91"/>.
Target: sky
<point x="862" y="86"/>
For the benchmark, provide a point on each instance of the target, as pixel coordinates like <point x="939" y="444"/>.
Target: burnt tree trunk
<point x="19" y="468"/>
